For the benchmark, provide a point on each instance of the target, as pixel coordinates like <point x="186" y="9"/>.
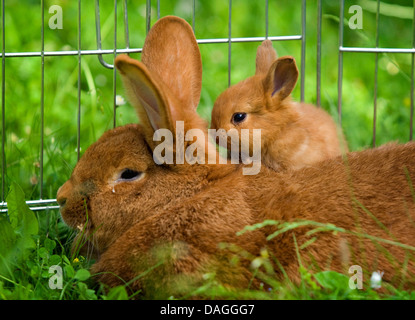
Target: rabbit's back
<point x="368" y="197"/>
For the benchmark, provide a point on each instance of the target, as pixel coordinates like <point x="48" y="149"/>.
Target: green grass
<point x="47" y="244"/>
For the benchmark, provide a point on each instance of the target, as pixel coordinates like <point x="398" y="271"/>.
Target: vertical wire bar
<point x="79" y="84"/>
<point x="194" y="15"/>
<point x="98" y="32"/>
<point x="126" y="27"/>
<point x="42" y="95"/>
<point x="3" y="105"/>
<point x="318" y="72"/>
<point x="114" y="73"/>
<point x="229" y="42"/>
<point x="375" y="99"/>
<point x="340" y="64"/>
<point x="266" y="19"/>
<point x="158" y="9"/>
<point x="303" y="46"/>
<point x="98" y="24"/>
<point x="411" y="127"/>
<point x="148" y="16"/>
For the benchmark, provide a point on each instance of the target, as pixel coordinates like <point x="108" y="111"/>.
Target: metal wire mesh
<point x="42" y="204"/>
<point x="376" y="50"/>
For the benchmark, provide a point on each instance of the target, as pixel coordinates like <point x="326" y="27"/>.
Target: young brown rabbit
<point x="161" y="228"/>
<point x="293" y="135"/>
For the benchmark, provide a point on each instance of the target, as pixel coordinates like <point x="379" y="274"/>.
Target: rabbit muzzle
<point x="63" y="193"/>
<point x="73" y="203"/>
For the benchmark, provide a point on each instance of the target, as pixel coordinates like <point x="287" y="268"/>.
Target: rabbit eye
<point x="238" y="117"/>
<point x="129" y="175"/>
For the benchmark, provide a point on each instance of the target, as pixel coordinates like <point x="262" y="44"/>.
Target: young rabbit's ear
<point x="281" y="78"/>
<point x="265" y="56"/>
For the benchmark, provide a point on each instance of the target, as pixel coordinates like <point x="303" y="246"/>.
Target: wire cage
<point x="220" y="40"/>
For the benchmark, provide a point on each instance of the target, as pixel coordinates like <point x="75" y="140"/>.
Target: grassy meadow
<point x="32" y="242"/>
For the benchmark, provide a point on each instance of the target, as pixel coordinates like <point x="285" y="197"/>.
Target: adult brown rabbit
<point x="293" y="135"/>
<point x="159" y="226"/>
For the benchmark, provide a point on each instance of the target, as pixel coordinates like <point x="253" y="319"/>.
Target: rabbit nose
<point x="63" y="193"/>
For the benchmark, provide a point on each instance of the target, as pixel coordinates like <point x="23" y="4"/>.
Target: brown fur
<point x="163" y="231"/>
<point x="293" y="135"/>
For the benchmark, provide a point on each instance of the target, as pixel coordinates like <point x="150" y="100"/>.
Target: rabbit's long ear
<point x="265" y="56"/>
<point x="165" y="86"/>
<point x="145" y="94"/>
<point x="281" y="78"/>
<point x="171" y="52"/>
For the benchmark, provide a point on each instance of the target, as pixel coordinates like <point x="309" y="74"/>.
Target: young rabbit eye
<point x="238" y="117"/>
<point x="129" y="175"/>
